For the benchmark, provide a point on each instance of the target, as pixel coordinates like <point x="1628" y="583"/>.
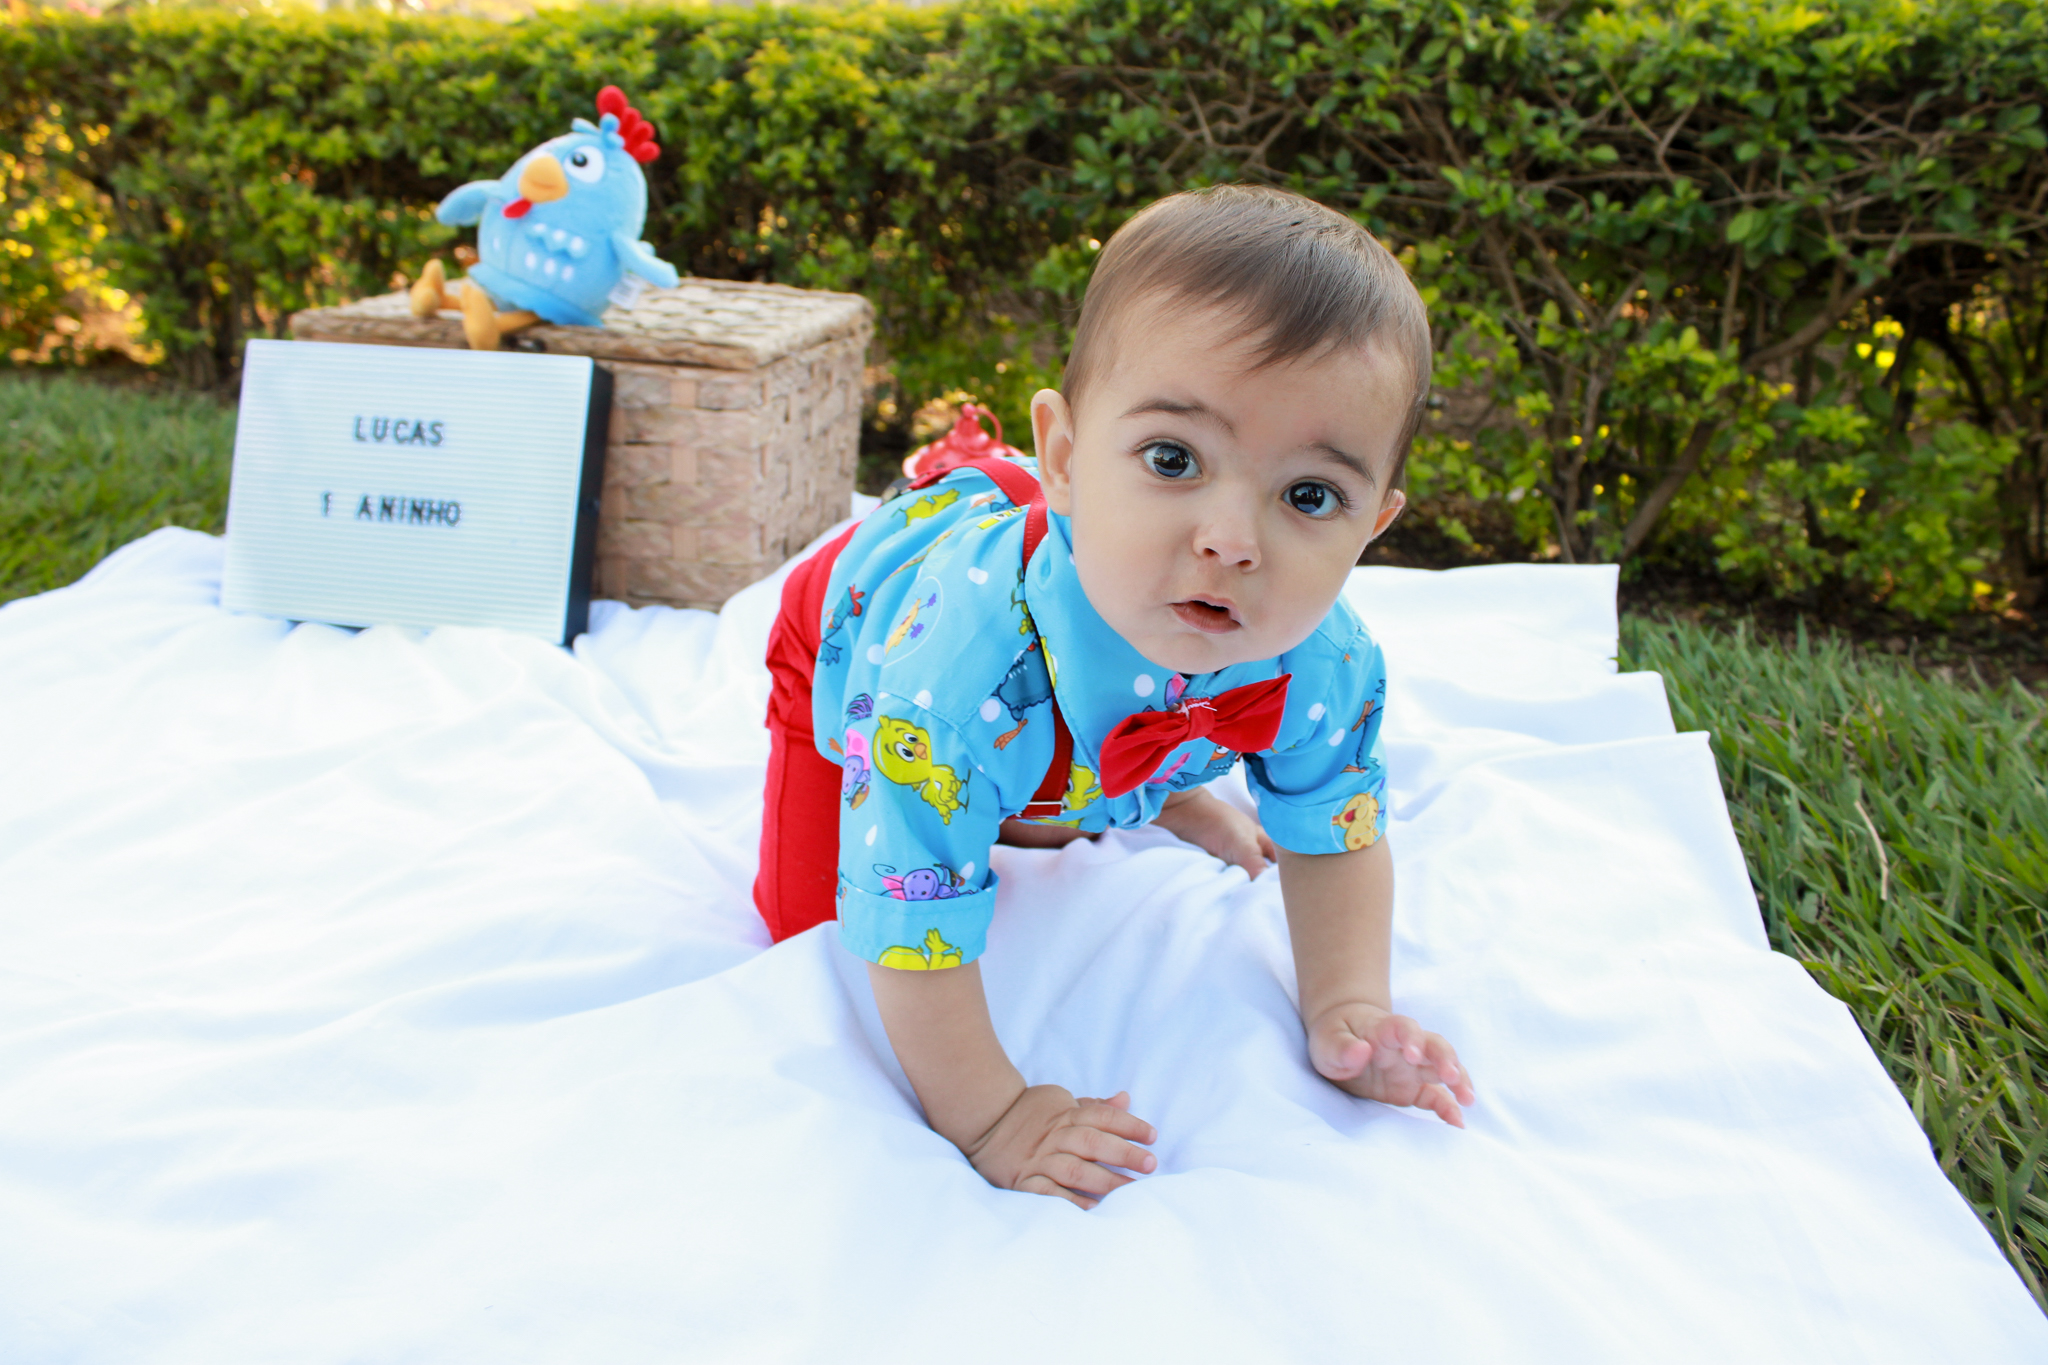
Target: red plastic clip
<point x="966" y="441"/>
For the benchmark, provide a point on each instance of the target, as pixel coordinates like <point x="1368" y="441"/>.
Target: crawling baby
<point x="1033" y="652"/>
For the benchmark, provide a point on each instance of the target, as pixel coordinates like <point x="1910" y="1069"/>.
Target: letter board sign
<point x="397" y="485"/>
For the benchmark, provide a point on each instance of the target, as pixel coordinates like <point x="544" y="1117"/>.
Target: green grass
<point x="1896" y="826"/>
<point x="1896" y="829"/>
<point x="87" y="467"/>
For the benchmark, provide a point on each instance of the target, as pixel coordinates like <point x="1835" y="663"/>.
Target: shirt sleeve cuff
<point x="916" y="936"/>
<point x="1324" y="823"/>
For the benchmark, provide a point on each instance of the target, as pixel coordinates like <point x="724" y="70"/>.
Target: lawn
<point x="1896" y="825"/>
<point x="87" y="467"/>
<point x="1896" y="829"/>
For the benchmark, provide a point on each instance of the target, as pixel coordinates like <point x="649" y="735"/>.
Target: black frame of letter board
<point x="583" y="551"/>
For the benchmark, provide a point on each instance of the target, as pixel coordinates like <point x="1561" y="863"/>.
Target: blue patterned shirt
<point x="938" y="657"/>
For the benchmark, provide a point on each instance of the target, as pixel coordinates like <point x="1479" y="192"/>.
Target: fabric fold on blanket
<point x="397" y="995"/>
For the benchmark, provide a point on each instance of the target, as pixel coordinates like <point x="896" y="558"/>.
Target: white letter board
<point x="397" y="485"/>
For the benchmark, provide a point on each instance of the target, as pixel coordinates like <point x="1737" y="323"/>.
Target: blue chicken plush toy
<point x="557" y="233"/>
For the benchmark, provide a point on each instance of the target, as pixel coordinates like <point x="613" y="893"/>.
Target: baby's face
<point x="1217" y="508"/>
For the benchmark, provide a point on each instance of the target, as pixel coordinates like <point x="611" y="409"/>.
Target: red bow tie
<point x="1244" y="718"/>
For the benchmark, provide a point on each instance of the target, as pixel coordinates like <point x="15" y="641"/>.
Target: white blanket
<point x="391" y="996"/>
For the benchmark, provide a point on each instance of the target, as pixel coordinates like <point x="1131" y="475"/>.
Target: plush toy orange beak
<point x="543" y="180"/>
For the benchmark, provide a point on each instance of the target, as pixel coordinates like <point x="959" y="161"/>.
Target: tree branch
<point x="1652" y="507"/>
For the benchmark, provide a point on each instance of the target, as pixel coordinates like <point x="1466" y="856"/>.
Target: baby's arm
<point x="1340" y="916"/>
<point x="1218" y="828"/>
<point x="1194" y="816"/>
<point x="1037" y="1138"/>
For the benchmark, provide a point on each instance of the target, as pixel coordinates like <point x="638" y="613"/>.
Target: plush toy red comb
<point x="635" y="132"/>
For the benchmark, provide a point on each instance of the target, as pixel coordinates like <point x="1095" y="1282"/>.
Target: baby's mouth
<point x="1206" y="617"/>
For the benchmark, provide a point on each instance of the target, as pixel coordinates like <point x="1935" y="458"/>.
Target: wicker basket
<point x="735" y="424"/>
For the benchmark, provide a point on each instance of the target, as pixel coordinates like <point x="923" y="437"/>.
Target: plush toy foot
<point x="483" y="325"/>
<point x="430" y="291"/>
<point x="479" y="318"/>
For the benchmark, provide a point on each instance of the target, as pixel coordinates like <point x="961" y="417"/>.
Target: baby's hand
<point x="1389" y="1058"/>
<point x="1218" y="828"/>
<point x="1048" y="1142"/>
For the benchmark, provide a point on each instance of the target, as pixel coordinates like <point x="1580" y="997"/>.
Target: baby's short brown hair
<point x="1305" y="280"/>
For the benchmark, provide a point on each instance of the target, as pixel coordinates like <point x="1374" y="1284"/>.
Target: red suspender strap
<point x="1023" y="491"/>
<point x="1049" y="802"/>
<point x="1034" y="527"/>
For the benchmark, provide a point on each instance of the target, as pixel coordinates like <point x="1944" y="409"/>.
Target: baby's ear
<point x="1390" y="510"/>
<point x="1052" y="438"/>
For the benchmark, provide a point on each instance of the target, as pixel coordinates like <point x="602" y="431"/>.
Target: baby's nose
<point x="1229" y="536"/>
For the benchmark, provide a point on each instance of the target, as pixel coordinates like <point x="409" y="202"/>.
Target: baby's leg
<point x="798" y="882"/>
<point x="1024" y="834"/>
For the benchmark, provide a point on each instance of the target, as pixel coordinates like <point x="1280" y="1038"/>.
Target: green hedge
<point x="1724" y="282"/>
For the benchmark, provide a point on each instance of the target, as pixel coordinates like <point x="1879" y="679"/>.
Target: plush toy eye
<point x="586" y="164"/>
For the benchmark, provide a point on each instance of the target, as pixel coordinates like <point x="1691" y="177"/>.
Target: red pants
<point x="799" y="878"/>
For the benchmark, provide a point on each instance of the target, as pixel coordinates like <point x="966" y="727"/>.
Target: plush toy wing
<point x="638" y="258"/>
<point x="466" y="205"/>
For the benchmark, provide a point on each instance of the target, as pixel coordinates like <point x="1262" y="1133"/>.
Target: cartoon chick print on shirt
<point x="1082" y="788"/>
<point x="1082" y="792"/>
<point x="1359" y="821"/>
<point x="903" y="755"/>
<point x="930" y="504"/>
<point x="935" y="955"/>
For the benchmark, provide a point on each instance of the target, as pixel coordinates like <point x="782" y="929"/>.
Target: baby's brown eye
<point x="1168" y="461"/>
<point x="1312" y="499"/>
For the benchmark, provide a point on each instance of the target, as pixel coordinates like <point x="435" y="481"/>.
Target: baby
<point x="978" y="660"/>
